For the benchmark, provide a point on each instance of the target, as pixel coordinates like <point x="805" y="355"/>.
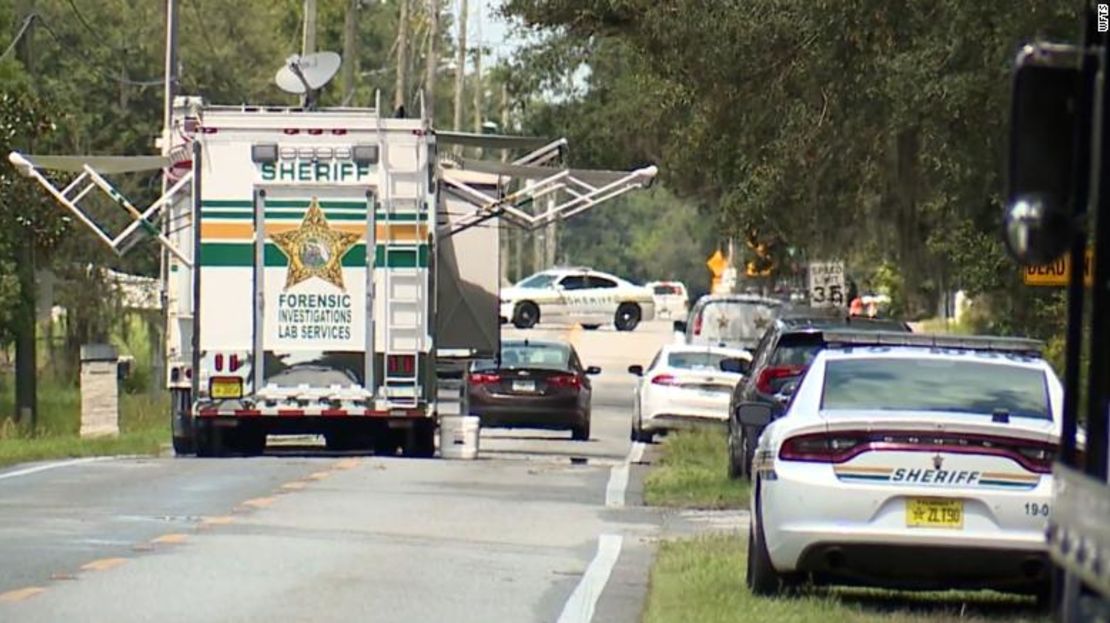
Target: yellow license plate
<point x="934" y="513"/>
<point x="226" y="388"/>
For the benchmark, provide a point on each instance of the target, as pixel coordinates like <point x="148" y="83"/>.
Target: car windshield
<point x="736" y="320"/>
<point x="696" y="360"/>
<point x="545" y="356"/>
<point x="888" y="384"/>
<point x="541" y="280"/>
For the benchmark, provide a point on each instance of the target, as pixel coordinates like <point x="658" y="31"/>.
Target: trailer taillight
<point x="233" y="363"/>
<point x="401" y="365"/>
<point x="219" y="363"/>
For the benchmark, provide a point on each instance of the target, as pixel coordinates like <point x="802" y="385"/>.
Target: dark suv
<point x="784" y="352"/>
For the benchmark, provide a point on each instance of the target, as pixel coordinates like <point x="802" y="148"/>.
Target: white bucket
<point x="458" y="436"/>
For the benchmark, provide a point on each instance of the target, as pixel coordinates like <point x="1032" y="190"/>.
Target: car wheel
<point x="591" y="327"/>
<point x="747" y="449"/>
<point x="526" y="315"/>
<point x="736" y="468"/>
<point x="762" y="579"/>
<point x="638" y="432"/>
<point x="581" y="433"/>
<point x="627" y="317"/>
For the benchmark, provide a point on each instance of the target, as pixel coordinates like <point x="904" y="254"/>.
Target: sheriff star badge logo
<point x="314" y="249"/>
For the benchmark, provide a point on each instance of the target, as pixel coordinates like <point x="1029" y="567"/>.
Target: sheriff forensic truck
<point x="317" y="262"/>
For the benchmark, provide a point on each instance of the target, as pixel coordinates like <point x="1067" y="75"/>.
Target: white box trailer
<point x="316" y="262"/>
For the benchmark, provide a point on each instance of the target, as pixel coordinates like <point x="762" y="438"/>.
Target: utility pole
<point x="402" y="56"/>
<point x="26" y="368"/>
<point x="478" y="82"/>
<point x="350" y="54"/>
<point x="308" y="42"/>
<point x="169" y="90"/>
<point x="432" y="61"/>
<point x="508" y="233"/>
<point x="460" y="65"/>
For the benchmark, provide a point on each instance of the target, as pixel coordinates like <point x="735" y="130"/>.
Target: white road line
<point x="56" y="465"/>
<point x="580" y="606"/>
<point x="618" y="477"/>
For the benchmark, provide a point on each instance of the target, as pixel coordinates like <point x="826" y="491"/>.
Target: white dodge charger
<point x="685" y="386"/>
<point x="908" y="461"/>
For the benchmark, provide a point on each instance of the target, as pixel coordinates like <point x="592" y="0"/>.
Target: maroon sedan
<point x="535" y="384"/>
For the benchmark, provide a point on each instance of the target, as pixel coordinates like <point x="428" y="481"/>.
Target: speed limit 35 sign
<point x="826" y="284"/>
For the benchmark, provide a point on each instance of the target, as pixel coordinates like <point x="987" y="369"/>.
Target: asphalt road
<point x="539" y="528"/>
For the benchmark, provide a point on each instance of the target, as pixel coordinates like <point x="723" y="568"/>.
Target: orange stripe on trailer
<point x="247" y="412"/>
<point x="412" y="232"/>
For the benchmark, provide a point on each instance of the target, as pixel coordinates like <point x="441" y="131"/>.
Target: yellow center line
<point x="296" y="485"/>
<point x="319" y="475"/>
<point x="21" y="594"/>
<point x="259" y="502"/>
<point x="216" y="521"/>
<point x="170" y="539"/>
<point x="104" y="564"/>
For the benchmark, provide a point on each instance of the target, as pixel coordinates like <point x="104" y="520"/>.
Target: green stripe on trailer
<point x="242" y="255"/>
<point x="289" y="215"/>
<point x="282" y="203"/>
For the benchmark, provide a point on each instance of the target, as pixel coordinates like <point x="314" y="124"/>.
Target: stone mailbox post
<point x="99" y="391"/>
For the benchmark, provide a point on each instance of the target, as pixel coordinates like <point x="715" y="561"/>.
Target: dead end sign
<point x="1056" y="273"/>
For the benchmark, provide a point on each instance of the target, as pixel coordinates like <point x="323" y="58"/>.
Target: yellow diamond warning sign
<point x="1056" y="273"/>
<point x="717" y="263"/>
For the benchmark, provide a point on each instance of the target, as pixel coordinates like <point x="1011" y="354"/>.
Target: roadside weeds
<point x="693" y="473"/>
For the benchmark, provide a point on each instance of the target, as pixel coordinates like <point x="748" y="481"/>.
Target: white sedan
<point x="576" y="295"/>
<point x="908" y="461"/>
<point x="685" y="386"/>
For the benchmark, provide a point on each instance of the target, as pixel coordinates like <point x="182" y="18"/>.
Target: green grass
<point x="702" y="579"/>
<point x="693" y="473"/>
<point x="144" y="427"/>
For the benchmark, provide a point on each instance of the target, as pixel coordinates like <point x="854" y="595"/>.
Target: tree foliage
<point x="861" y="129"/>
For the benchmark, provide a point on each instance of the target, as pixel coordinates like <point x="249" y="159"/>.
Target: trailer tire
<point x="249" y="441"/>
<point x="627" y="317"/>
<point x="420" y="443"/>
<point x="209" y="440"/>
<point x="182" y="423"/>
<point x="526" y="315"/>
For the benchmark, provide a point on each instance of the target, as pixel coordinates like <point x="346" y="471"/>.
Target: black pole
<point x="25" y="360"/>
<point x="1099" y="363"/>
<point x="1081" y="186"/>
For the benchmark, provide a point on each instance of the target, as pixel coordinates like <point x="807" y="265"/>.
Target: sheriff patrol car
<point x="576" y="295"/>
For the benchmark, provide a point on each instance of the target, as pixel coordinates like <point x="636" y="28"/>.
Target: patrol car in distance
<point x="908" y="461"/>
<point x="577" y="296"/>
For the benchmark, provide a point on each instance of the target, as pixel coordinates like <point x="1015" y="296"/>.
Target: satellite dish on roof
<point x="306" y="75"/>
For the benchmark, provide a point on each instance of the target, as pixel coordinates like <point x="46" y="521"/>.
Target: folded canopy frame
<point x="90" y="169"/>
<point x="585" y="187"/>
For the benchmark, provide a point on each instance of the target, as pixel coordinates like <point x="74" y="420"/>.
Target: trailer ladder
<point x="406" y="319"/>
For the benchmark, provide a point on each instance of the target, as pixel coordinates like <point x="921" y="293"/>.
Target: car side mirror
<point x="754" y="414"/>
<point x="735" y="365"/>
<point x="1044" y="101"/>
<point x="680" y="326"/>
<point x="636" y="370"/>
<point x="592" y="370"/>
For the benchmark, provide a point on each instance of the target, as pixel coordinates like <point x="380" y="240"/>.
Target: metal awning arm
<point x="635" y="179"/>
<point x="95" y="180"/>
<point x="544" y="154"/>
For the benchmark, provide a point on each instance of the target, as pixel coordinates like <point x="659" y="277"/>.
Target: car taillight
<point x="769" y="374"/>
<point x="1038" y="458"/>
<point x="697" y="324"/>
<point x="484" y="378"/>
<point x="564" y="380"/>
<point x="820" y="448"/>
<point x="664" y="379"/>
